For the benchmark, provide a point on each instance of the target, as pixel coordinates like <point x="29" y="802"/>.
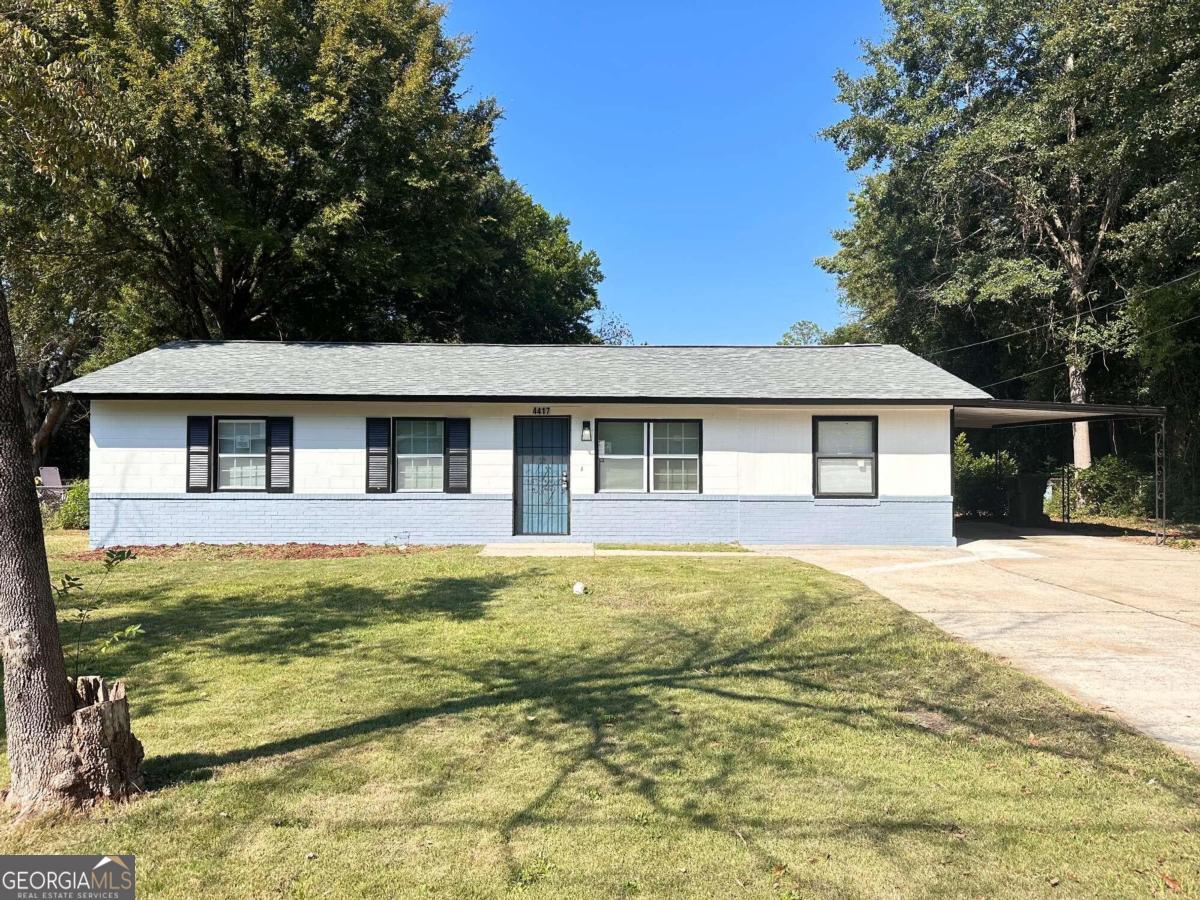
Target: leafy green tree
<point x="802" y="333"/>
<point x="306" y="170"/>
<point x="962" y="127"/>
<point x="808" y="333"/>
<point x="1007" y="136"/>
<point x="312" y="171"/>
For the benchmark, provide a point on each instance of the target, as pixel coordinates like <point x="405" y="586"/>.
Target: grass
<point x="449" y="725"/>
<point x="686" y="548"/>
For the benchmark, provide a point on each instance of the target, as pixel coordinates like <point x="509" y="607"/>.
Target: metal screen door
<point x="542" y="458"/>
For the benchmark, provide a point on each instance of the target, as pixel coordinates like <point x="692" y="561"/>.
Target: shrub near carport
<point x="1114" y="487"/>
<point x="978" y="493"/>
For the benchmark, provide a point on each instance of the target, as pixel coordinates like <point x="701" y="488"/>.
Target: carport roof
<point x="1013" y="413"/>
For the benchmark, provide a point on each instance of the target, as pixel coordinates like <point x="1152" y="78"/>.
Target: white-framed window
<point x="845" y="453"/>
<point x="241" y="454"/>
<point x="659" y="456"/>
<point x="420" y="454"/>
<point x="675" y="457"/>
<point x="621" y="455"/>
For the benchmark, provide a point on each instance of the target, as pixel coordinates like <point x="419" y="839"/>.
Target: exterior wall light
<point x="586" y="433"/>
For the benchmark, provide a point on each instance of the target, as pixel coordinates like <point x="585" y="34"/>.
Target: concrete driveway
<point x="1113" y="623"/>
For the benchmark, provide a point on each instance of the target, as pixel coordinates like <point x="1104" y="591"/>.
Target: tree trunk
<point x="54" y="752"/>
<point x="1080" y="431"/>
<point x="1077" y="359"/>
<point x="55" y="413"/>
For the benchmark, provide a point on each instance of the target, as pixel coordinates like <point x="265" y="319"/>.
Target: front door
<point x="542" y="471"/>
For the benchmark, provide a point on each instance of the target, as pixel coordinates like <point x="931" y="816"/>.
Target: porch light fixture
<point x="586" y="433"/>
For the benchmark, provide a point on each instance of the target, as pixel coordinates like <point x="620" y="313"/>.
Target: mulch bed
<point x="258" y="551"/>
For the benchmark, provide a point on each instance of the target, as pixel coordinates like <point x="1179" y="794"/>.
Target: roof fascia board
<point x="531" y="398"/>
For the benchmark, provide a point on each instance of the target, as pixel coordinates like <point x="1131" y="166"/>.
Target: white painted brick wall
<point x="138" y="445"/>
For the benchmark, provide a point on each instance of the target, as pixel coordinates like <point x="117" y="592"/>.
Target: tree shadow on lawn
<point x="623" y="698"/>
<point x="281" y="623"/>
<point x="308" y="617"/>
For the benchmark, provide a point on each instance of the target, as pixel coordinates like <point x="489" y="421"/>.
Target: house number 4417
<point x="541" y="410"/>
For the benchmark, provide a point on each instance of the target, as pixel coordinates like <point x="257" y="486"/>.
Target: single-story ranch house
<point x="246" y="441"/>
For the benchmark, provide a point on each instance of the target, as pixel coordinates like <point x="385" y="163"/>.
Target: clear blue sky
<point x="680" y="139"/>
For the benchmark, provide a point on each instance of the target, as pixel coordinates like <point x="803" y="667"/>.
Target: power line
<point x="1068" y="318"/>
<point x="1096" y="353"/>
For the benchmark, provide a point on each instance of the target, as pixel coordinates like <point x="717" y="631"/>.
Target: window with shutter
<point x="458" y="456"/>
<point x="199" y="454"/>
<point x="420" y="463"/>
<point x="279" y="454"/>
<point x="241" y="453"/>
<point x="379" y="456"/>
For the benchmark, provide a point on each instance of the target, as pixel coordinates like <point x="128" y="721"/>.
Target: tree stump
<point x="106" y="759"/>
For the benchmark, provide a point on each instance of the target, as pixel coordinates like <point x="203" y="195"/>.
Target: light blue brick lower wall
<point x="230" y="518"/>
<point x="689" y="518"/>
<point x="235" y="518"/>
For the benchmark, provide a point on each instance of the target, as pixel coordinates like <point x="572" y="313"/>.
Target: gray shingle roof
<point x="524" y="372"/>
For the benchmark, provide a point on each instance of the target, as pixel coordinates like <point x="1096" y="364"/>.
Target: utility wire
<point x="1068" y="318"/>
<point x="1096" y="353"/>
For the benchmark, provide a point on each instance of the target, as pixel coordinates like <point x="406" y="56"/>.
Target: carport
<point x="1010" y="414"/>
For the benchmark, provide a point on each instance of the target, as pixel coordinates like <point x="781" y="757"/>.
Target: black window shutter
<point x="458" y="456"/>
<point x="199" y="454"/>
<point x="379" y="456"/>
<point x="279" y="454"/>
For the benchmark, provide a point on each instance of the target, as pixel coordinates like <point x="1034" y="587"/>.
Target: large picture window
<point x="639" y="455"/>
<point x="420" y="454"/>
<point x="845" y="452"/>
<point x="242" y="454"/>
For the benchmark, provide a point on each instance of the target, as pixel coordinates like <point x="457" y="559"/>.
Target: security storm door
<point x="542" y="489"/>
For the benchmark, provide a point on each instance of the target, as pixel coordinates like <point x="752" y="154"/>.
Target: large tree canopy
<point x="1030" y="167"/>
<point x="286" y="169"/>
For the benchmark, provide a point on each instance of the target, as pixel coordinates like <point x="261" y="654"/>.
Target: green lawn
<point x="441" y="724"/>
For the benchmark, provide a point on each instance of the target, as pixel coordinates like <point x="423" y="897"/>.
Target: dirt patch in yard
<point x="1180" y="535"/>
<point x="258" y="551"/>
<point x="929" y="719"/>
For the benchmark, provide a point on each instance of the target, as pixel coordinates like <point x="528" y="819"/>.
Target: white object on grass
<point x="579" y="588"/>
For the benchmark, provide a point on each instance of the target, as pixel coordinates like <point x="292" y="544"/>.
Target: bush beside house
<point x="72" y="510"/>
<point x="977" y="491"/>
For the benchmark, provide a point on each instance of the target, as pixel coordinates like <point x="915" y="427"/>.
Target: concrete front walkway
<point x="578" y="548"/>
<point x="1115" y="624"/>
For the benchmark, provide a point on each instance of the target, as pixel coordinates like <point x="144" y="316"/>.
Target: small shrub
<point x="1112" y="486"/>
<point x="73" y="511"/>
<point x="977" y="491"/>
<point x="70" y="595"/>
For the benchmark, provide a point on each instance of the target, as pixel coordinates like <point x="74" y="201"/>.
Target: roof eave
<point x="520" y="398"/>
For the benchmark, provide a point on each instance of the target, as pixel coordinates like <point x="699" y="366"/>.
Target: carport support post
<point x="1160" y="482"/>
<point x="997" y="487"/>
